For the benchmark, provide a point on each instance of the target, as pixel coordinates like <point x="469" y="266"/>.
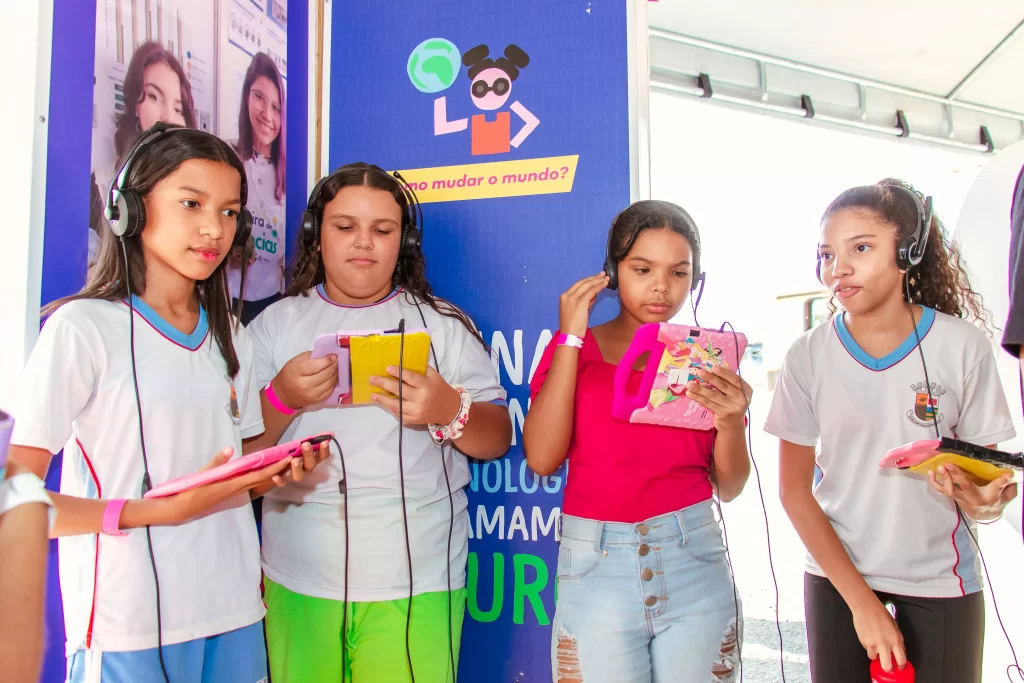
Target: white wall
<point x="25" y="39"/>
<point x="757" y="186"/>
<point x="983" y="232"/>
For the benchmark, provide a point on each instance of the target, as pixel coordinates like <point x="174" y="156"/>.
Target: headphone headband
<point x="143" y="141"/>
<point x="910" y="250"/>
<point x="611" y="264"/>
<point x="412" y="229"/>
<point x="125" y="209"/>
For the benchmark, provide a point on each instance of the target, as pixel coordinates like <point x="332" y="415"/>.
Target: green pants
<point x="304" y="638"/>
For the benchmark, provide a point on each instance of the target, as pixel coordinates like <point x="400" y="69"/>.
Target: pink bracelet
<point x="112" y="517"/>
<point x="276" y="402"/>
<point x="570" y="340"/>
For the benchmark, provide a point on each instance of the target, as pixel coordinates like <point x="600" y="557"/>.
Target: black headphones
<point x="412" y="232"/>
<point x="611" y="265"/>
<point x="125" y="209"/>
<point x="910" y="251"/>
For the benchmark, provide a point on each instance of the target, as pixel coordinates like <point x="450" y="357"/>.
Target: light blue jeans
<point x="645" y="603"/>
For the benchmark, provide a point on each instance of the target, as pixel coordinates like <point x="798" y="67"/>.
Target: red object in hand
<point x="879" y="675"/>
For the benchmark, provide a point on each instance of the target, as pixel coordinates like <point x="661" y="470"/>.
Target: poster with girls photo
<point x="219" y="66"/>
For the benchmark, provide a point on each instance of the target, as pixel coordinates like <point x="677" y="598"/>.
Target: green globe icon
<point x="434" y="65"/>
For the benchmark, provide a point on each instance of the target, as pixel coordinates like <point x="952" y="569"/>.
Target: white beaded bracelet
<point x="454" y="430"/>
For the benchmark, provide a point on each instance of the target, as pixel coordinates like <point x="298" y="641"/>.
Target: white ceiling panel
<point x="1001" y="83"/>
<point x="926" y="45"/>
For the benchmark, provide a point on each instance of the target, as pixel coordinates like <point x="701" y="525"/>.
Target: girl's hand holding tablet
<point x="305" y="381"/>
<point x="978" y="502"/>
<point x="729" y="403"/>
<point x="426" y="399"/>
<point x="186" y="506"/>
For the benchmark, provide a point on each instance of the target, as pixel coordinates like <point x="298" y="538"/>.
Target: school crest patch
<point x="925" y="412"/>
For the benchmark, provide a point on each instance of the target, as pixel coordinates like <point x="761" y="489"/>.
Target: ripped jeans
<point x="645" y="603"/>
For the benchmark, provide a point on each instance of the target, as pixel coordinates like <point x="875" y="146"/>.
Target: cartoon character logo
<point x="679" y="365"/>
<point x="232" y="406"/>
<point x="432" y="68"/>
<point x="926" y="405"/>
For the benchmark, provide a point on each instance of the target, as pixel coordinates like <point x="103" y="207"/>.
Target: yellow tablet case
<point x="371" y="355"/>
<point x="982" y="472"/>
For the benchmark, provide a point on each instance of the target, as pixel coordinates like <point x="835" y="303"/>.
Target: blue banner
<point x="511" y="120"/>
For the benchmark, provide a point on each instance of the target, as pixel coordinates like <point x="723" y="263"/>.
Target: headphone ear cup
<point x="905" y="254"/>
<point x="412" y="240"/>
<point x="131" y="213"/>
<point x="309" y="229"/>
<point x="611" y="269"/>
<point x="243" y="229"/>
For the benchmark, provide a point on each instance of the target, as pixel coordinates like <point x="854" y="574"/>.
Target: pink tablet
<point x="236" y="467"/>
<point x="677" y="352"/>
<point x="336" y="344"/>
<point x="914" y="453"/>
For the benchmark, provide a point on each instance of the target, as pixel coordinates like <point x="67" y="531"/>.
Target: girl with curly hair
<point x="903" y="361"/>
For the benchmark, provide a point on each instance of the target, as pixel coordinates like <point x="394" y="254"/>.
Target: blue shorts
<point x="235" y="657"/>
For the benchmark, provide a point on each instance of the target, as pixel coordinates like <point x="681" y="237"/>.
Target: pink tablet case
<point x="234" y="468"/>
<point x="325" y="345"/>
<point x="676" y="353"/>
<point x="914" y="453"/>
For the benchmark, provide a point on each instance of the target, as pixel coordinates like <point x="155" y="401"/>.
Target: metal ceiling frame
<point x="703" y="88"/>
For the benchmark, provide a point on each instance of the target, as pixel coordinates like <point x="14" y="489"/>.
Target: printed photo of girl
<point x="261" y="147"/>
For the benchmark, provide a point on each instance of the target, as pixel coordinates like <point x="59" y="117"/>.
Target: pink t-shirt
<point x="619" y="471"/>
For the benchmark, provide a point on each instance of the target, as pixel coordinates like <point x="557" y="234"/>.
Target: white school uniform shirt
<point x="78" y="395"/>
<point x="265" y="276"/>
<point x="904" y="537"/>
<point x="303" y="523"/>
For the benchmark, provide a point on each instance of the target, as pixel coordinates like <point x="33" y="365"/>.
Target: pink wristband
<point x="570" y="340"/>
<point x="112" y="517"/>
<point x="276" y="402"/>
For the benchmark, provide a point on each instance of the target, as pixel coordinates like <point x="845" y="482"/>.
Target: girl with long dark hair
<point x="359" y="586"/>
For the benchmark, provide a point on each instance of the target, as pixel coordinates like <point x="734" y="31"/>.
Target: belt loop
<point x="597" y="536"/>
<point x="682" y="524"/>
<point x="560" y="518"/>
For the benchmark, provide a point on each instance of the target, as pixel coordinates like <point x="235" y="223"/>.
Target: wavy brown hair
<point x="127" y="127"/>
<point x="307" y="269"/>
<point x="108" y="280"/>
<point x="940" y="281"/>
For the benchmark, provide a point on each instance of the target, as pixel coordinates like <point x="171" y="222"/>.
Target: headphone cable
<point x="960" y="512"/>
<point x="147" y="483"/>
<point x="416" y="218"/>
<point x="343" y="490"/>
<point x="401" y="477"/>
<point x="451" y="519"/>
<point x="767" y="527"/>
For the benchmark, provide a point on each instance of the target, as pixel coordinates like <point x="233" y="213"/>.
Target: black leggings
<point x="943" y="636"/>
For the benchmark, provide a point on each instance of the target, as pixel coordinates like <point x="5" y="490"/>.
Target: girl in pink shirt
<point x="644" y="590"/>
